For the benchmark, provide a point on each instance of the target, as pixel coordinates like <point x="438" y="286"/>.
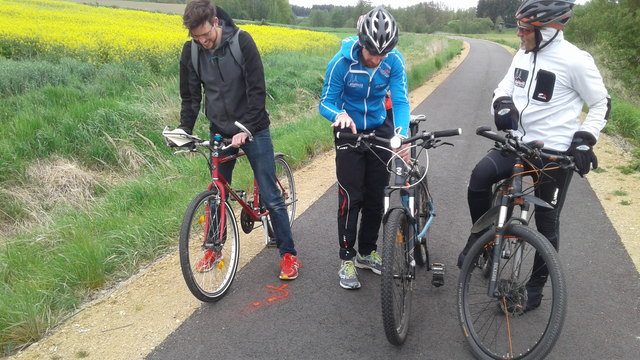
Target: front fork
<point x="507" y="250"/>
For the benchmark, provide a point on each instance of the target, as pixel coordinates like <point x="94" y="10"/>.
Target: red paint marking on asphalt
<point x="274" y="289"/>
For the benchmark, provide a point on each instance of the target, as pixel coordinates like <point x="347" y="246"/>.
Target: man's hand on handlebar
<point x="239" y="139"/>
<point x="344" y="121"/>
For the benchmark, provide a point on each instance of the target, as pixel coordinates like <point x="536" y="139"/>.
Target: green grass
<point x="507" y="37"/>
<point x="107" y="120"/>
<point x="624" y="120"/>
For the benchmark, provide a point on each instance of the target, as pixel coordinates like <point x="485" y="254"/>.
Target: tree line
<point x="612" y="27"/>
<point x="425" y="17"/>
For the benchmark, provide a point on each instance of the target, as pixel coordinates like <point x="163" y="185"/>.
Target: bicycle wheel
<point x="208" y="248"/>
<point x="423" y="214"/>
<point x="396" y="277"/>
<point x="500" y="327"/>
<point x="287" y="187"/>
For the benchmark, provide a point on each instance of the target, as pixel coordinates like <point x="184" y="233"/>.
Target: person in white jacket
<point x="545" y="88"/>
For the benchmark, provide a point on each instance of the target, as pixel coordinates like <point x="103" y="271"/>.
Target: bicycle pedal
<point x="437" y="270"/>
<point x="272" y="243"/>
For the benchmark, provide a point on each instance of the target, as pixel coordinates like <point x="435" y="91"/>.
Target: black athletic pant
<point x="496" y="166"/>
<point x="362" y="177"/>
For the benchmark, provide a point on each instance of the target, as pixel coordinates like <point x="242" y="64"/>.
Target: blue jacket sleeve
<point x="333" y="88"/>
<point x="399" y="95"/>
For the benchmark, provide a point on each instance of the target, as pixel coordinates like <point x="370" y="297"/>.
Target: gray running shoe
<point x="372" y="262"/>
<point x="348" y="275"/>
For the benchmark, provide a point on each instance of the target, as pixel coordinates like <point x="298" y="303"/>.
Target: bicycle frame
<point x="502" y="216"/>
<point x="408" y="205"/>
<point x="225" y="190"/>
<point x="219" y="182"/>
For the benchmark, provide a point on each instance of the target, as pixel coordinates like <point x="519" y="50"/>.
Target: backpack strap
<point x="194" y="57"/>
<point x="234" y="45"/>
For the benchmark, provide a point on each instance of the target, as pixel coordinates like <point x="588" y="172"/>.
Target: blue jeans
<point x="260" y="155"/>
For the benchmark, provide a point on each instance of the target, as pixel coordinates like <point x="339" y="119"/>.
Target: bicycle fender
<point x="486" y="220"/>
<point x="537" y="201"/>
<point x="279" y="154"/>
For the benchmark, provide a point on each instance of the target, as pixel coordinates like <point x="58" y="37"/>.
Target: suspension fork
<point x="507" y="202"/>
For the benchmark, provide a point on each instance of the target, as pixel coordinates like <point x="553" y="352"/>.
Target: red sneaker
<point x="207" y="262"/>
<point x="289" y="265"/>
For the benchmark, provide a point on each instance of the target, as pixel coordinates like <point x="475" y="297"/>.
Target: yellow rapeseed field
<point x="99" y="34"/>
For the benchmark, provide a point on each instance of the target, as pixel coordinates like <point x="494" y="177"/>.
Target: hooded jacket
<point x="549" y="88"/>
<point x="360" y="92"/>
<point x="233" y="91"/>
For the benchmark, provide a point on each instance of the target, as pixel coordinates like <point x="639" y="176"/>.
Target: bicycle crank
<point x="246" y="222"/>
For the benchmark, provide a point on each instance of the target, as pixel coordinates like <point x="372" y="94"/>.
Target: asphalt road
<point x="318" y="319"/>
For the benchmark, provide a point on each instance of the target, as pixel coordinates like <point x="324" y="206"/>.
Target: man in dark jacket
<point x="234" y="90"/>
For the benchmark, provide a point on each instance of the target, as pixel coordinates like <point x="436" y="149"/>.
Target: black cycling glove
<point x="505" y="113"/>
<point x="582" y="151"/>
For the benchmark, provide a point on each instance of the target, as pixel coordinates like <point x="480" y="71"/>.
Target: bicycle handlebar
<point x="531" y="149"/>
<point x="358" y="137"/>
<point x="425" y="135"/>
<point x="194" y="141"/>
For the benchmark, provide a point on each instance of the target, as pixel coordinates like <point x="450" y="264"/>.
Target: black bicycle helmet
<point x="541" y="13"/>
<point x="377" y="31"/>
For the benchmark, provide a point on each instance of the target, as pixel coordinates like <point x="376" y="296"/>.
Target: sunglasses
<point x="525" y="30"/>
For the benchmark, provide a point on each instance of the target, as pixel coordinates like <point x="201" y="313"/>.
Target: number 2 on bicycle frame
<point x="209" y="238"/>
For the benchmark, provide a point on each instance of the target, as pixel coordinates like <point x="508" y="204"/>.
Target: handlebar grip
<point x="482" y="129"/>
<point x="486" y="132"/>
<point x="347" y="135"/>
<point x="445" y="133"/>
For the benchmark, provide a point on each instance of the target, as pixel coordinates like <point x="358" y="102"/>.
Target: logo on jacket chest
<point x="355" y="84"/>
<point x="520" y="77"/>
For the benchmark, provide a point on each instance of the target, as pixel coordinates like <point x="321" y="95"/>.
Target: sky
<point x="452" y="4"/>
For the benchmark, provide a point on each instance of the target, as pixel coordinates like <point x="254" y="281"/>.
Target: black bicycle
<point x="406" y="221"/>
<point x="492" y="295"/>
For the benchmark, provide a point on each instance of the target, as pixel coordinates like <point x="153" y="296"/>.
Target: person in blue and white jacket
<point x="353" y="99"/>
<point x="541" y="98"/>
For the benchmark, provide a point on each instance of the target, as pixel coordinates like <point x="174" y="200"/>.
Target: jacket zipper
<point x="533" y="73"/>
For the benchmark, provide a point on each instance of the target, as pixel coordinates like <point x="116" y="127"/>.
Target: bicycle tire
<point x="208" y="283"/>
<point x="423" y="213"/>
<point x="500" y="329"/>
<point x="287" y="188"/>
<point x="396" y="289"/>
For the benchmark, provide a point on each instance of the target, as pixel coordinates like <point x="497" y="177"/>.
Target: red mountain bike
<point x="209" y="239"/>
